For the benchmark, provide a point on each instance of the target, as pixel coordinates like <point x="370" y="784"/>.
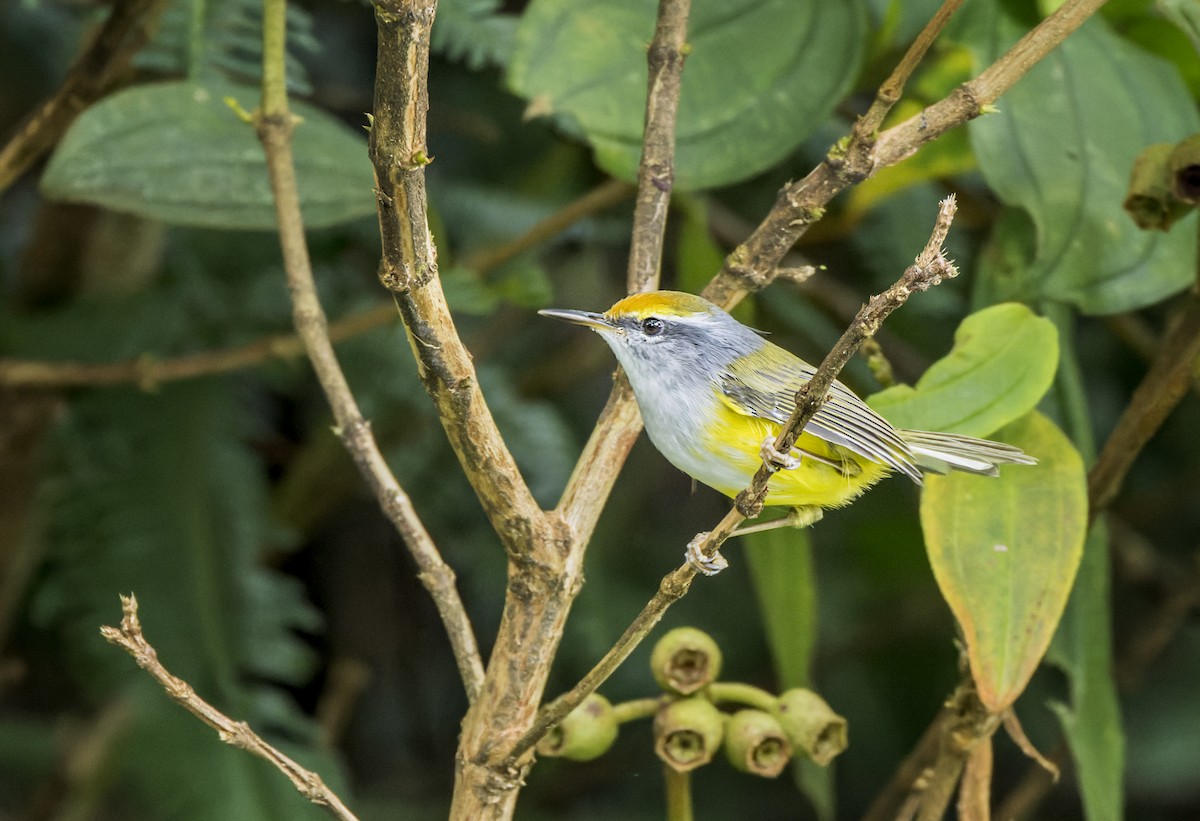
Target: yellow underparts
<point x="837" y="480"/>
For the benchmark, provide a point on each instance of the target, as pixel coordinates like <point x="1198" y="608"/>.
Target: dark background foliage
<point x="268" y="578"/>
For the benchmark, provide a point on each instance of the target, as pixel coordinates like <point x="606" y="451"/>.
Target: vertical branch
<point x="656" y="173"/>
<point x="545" y="570"/>
<point x="408" y="268"/>
<point x="620" y="423"/>
<point x="275" y="123"/>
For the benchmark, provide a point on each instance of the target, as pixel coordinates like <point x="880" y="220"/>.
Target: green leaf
<point x="586" y="63"/>
<point x="781" y="567"/>
<point x="1057" y="152"/>
<point x="177" y="153"/>
<point x="1004" y="553"/>
<point x="1082" y="647"/>
<point x="1003" y="362"/>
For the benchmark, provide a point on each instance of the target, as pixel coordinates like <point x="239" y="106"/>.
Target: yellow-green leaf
<point x="1003" y="362"/>
<point x="1005" y="552"/>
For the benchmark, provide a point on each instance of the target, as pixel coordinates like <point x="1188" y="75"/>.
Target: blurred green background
<point x="266" y="575"/>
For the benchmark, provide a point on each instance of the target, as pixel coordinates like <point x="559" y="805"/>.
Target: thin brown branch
<point x="129" y="638"/>
<point x="656" y="172"/>
<point x="620" y="423"/>
<point x="800" y="204"/>
<point x="408" y="269"/>
<point x="889" y="92"/>
<point x="275" y="123"/>
<point x="149" y="372"/>
<point x="90" y="77"/>
<point x="600" y="198"/>
<point x="1165" y="383"/>
<point x="545" y="572"/>
<point x="930" y="269"/>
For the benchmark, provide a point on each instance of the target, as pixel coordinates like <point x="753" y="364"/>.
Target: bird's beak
<point x="595" y="321"/>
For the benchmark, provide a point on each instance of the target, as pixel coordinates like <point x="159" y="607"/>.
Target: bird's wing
<point x="765" y="387"/>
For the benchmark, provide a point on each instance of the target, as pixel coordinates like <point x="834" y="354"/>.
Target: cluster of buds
<point x="760" y="737"/>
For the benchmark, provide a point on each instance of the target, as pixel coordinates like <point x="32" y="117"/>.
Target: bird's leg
<point x="712" y="565"/>
<point x="708" y="565"/>
<point x="796" y="517"/>
<point x="777" y="460"/>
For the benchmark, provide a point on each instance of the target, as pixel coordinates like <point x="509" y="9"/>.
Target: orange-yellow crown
<point x="659" y="303"/>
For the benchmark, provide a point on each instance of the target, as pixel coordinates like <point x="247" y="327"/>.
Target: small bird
<point x="714" y="394"/>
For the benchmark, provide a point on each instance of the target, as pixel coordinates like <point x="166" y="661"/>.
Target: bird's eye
<point x="652" y="326"/>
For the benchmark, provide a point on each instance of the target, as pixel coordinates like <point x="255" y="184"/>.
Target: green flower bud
<point x="687" y="733"/>
<point x="755" y="743"/>
<point x="812" y="725"/>
<point x="684" y="660"/>
<point x="586" y="733"/>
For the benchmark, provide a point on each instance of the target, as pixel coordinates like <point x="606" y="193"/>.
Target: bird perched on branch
<point x="714" y="395"/>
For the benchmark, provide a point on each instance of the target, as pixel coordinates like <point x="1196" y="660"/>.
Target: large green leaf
<point x="1061" y="149"/>
<point x="760" y="77"/>
<point x="176" y="152"/>
<point x="1005" y="552"/>
<point x="1003" y="362"/>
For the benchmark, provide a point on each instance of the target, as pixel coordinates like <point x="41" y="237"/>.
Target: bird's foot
<point x="777" y="460"/>
<point x="708" y="565"/>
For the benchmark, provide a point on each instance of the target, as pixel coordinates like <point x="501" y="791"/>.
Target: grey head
<point x="667" y="336"/>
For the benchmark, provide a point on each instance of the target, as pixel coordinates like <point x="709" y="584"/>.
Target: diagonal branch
<point x="889" y="93"/>
<point x="93" y="74"/>
<point x="409" y="269"/>
<point x="930" y="268"/>
<point x="275" y="123"/>
<point x="129" y="637"/>
<point x="620" y="423"/>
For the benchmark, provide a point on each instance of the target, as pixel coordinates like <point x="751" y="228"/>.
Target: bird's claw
<point x="777" y="460"/>
<point x="708" y="565"/>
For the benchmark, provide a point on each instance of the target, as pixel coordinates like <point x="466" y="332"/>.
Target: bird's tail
<point x="943" y="452"/>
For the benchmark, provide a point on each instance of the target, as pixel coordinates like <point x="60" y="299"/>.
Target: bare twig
<point x="275" y="123"/>
<point x="802" y="203"/>
<point x="129" y="638"/>
<point x="92" y="75"/>
<point x="656" y="172"/>
<point x="149" y="372"/>
<point x="889" y="93"/>
<point x="930" y="269"/>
